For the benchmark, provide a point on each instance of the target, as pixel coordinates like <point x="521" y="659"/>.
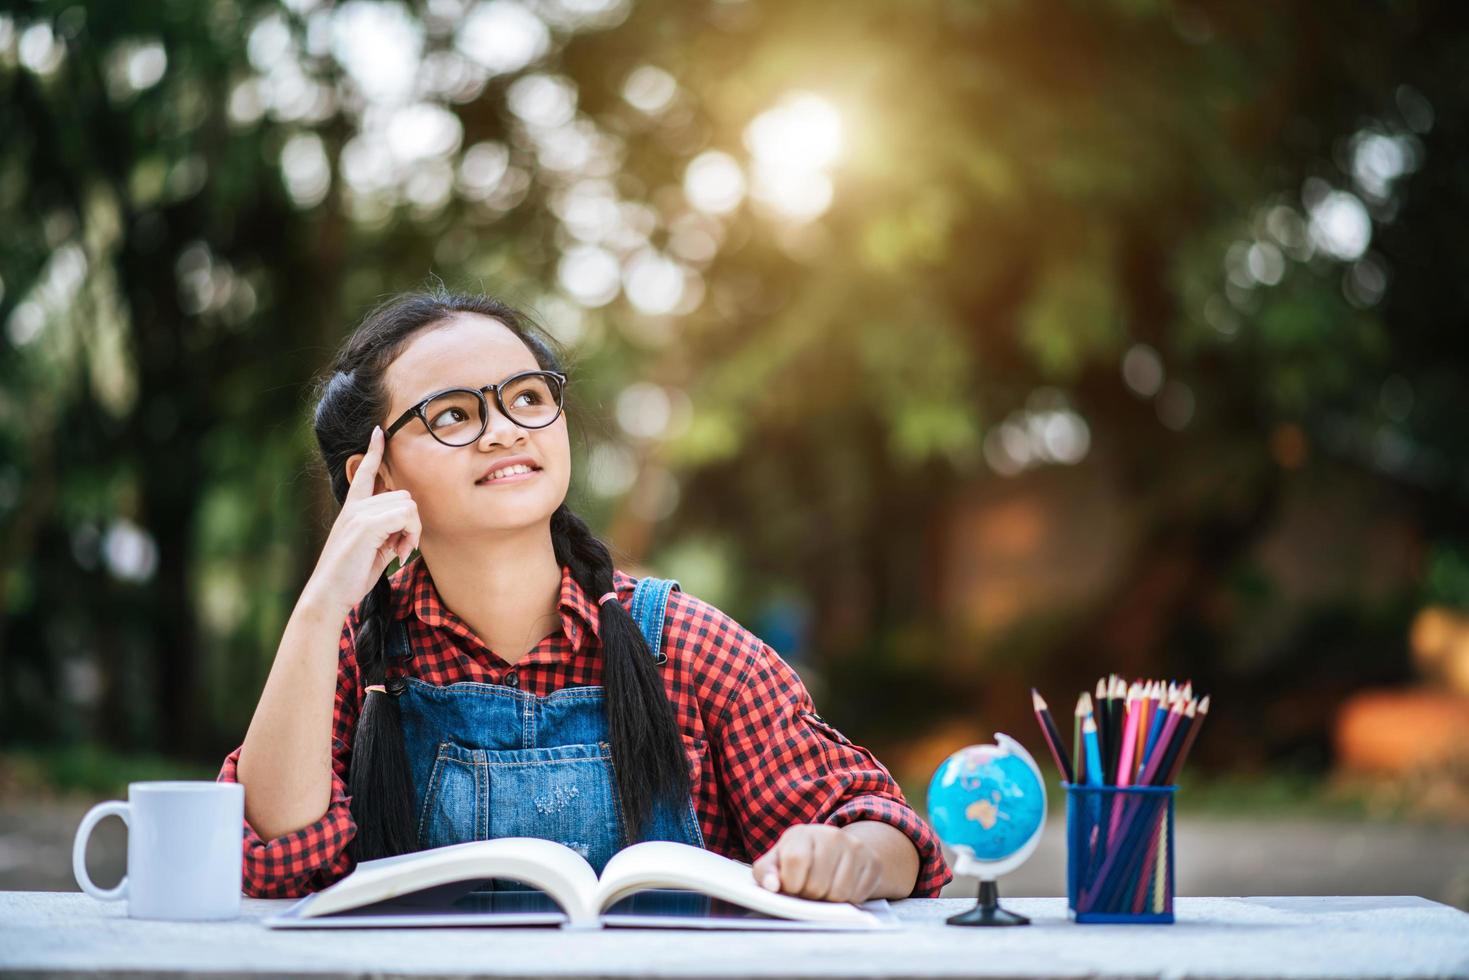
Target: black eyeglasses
<point x="459" y="416"/>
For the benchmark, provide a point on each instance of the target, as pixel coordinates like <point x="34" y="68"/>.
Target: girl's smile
<point x="508" y="469"/>
<point x="520" y="475"/>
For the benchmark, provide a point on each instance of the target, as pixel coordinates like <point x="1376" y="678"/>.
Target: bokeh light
<point x="714" y="182"/>
<point x="649" y="89"/>
<point x="503" y="36"/>
<point x="792" y="145"/>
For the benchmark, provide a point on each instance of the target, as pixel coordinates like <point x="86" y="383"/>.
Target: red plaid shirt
<point x="765" y="759"/>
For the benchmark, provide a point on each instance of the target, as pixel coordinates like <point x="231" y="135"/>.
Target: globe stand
<point x="987" y="911"/>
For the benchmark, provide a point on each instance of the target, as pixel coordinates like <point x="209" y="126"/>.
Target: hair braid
<point x="378" y="778"/>
<point x="646" y="749"/>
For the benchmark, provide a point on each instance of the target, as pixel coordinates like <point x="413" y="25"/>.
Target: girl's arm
<point x="285" y="761"/>
<point x="818" y="808"/>
<point x="310" y="851"/>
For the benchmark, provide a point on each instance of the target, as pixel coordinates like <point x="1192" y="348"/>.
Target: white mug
<point x="184" y="849"/>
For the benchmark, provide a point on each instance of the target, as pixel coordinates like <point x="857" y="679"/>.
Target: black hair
<point x="647" y="752"/>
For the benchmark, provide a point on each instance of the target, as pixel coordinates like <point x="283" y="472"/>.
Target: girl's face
<point x="470" y="351"/>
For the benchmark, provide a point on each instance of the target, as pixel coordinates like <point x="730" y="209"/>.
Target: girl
<point x="512" y="681"/>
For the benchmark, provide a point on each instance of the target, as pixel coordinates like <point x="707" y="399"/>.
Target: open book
<point x="654" y="883"/>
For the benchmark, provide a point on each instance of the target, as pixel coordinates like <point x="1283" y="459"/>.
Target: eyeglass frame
<point x="416" y="412"/>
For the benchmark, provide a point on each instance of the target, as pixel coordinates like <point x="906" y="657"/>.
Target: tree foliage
<point x="826" y="270"/>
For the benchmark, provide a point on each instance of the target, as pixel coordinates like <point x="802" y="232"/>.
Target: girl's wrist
<point x="896" y="855"/>
<point x="317" y="606"/>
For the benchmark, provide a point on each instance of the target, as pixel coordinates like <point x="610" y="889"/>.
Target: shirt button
<point x="512" y="679"/>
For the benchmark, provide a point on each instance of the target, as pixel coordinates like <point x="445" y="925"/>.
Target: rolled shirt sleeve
<point x="783" y="764"/>
<point x="311" y="857"/>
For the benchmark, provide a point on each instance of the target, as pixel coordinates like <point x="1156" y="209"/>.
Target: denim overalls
<point x="489" y="760"/>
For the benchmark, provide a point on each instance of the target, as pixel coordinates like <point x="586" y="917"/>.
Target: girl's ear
<point x="384" y="479"/>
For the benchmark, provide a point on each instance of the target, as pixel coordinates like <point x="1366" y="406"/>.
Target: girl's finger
<point x="366" y="475"/>
<point x="794" y="862"/>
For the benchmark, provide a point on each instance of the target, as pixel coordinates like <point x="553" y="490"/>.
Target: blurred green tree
<point x="827" y="269"/>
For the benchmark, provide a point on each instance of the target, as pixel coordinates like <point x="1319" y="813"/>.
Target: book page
<point x="554" y="868"/>
<point x="668" y="864"/>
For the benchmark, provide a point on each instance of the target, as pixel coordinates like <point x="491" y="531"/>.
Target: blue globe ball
<point x="988" y="803"/>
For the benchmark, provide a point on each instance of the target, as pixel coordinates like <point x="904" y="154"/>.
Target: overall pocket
<point x="563" y="793"/>
<point x="455" y="804"/>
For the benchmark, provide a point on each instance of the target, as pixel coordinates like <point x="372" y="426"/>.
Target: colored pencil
<point x="1128" y="752"/>
<point x="1134" y="898"/>
<point x="1175" y="743"/>
<point x="1052" y="735"/>
<point x="1125" y="754"/>
<point x="1160" y="747"/>
<point x="1093" y="751"/>
<point x="1148" y="893"/>
<point x="1162" y="896"/>
<point x="1092" y="801"/>
<point x="1160" y="715"/>
<point x="1193" y="733"/>
<point x="1083" y="708"/>
<point x="1114" y="734"/>
<point x="1145" y="715"/>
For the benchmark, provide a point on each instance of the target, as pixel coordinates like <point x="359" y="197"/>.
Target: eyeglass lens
<point x="456" y="418"/>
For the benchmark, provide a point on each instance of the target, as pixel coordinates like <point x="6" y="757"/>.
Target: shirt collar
<point x="580" y="616"/>
<point x="414" y="592"/>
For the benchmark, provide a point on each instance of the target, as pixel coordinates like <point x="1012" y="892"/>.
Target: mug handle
<point x="79" y="851"/>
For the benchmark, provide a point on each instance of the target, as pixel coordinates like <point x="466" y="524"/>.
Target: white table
<point x="57" y="934"/>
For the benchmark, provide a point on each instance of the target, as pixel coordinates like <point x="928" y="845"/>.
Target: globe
<point x="988" y="803"/>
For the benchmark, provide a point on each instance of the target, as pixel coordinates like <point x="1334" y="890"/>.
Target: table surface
<point x="69" y="933"/>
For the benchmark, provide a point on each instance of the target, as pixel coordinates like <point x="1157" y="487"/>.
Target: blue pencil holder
<point x="1119" y="853"/>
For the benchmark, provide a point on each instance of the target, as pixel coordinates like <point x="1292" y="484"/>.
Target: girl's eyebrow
<point x="437" y="391"/>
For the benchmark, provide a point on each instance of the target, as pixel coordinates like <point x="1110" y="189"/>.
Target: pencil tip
<point x="1036" y="700"/>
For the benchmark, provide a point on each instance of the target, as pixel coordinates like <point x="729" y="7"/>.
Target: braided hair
<point x="647" y="753"/>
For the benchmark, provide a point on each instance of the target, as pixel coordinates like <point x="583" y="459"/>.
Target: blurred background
<point x="955" y="347"/>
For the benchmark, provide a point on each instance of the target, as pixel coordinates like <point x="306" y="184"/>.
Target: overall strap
<point x="649" y="604"/>
<point x="402" y="648"/>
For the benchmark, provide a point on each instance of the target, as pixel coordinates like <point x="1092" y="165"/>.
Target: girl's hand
<point x="371" y="530"/>
<point x="822" y="862"/>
